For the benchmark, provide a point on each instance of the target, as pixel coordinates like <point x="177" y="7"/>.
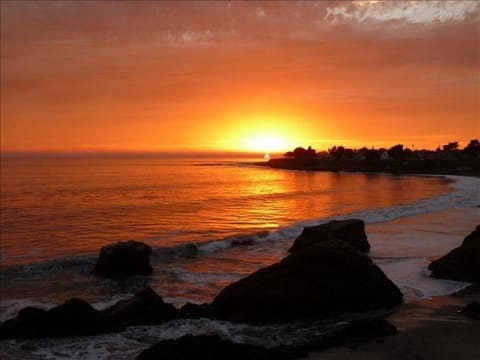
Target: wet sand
<point x="432" y="328"/>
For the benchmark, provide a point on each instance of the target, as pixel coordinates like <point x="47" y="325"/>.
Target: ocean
<point x="56" y="214"/>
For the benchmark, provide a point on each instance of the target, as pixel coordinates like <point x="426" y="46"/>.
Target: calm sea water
<point x="53" y="208"/>
<point x="57" y="213"/>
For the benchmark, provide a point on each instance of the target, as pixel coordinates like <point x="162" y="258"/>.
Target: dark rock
<point x="325" y="280"/>
<point x="124" y="259"/>
<point x="195" y="311"/>
<point x="29" y="323"/>
<point x="145" y="308"/>
<point x="473" y="238"/>
<point x="351" y="231"/>
<point x="189" y="250"/>
<point x="74" y="318"/>
<point x="211" y="347"/>
<point x="462" y="263"/>
<point x="472" y="310"/>
<point x="243" y="242"/>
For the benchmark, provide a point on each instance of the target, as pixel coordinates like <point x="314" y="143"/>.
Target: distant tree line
<point x="450" y="151"/>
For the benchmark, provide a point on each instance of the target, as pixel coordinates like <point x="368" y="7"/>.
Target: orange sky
<point x="260" y="76"/>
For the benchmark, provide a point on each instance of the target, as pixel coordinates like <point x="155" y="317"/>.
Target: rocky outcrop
<point x="462" y="263"/>
<point x="322" y="281"/>
<point x="351" y="231"/>
<point x="145" y="308"/>
<point x="124" y="259"/>
<point x="74" y="318"/>
<point x="212" y="347"/>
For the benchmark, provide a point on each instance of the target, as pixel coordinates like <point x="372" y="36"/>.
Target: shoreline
<point x="412" y="167"/>
<point x="427" y="328"/>
<point x="430" y="329"/>
<point x="422" y="324"/>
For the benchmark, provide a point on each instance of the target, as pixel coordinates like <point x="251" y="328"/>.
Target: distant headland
<point x="448" y="159"/>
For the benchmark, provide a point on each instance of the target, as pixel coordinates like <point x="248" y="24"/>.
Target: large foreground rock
<point x="351" y="231"/>
<point x="211" y="347"/>
<point x="74" y="318"/>
<point x="462" y="263"/>
<point x="323" y="281"/>
<point x="145" y="308"/>
<point x="124" y="259"/>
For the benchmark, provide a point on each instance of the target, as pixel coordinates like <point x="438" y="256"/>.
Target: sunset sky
<point x="263" y="76"/>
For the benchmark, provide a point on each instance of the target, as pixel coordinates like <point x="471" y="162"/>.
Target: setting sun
<point x="266" y="143"/>
<point x="264" y="130"/>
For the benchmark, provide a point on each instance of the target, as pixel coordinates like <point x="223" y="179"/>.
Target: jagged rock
<point x="145" y="308"/>
<point x="325" y="280"/>
<point x="462" y="263"/>
<point x="74" y="318"/>
<point x="211" y="347"/>
<point x="351" y="231"/>
<point x="124" y="259"/>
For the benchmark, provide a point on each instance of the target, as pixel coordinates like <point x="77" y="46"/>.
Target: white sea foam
<point x="204" y="279"/>
<point x="465" y="195"/>
<point x="129" y="343"/>
<point x="412" y="279"/>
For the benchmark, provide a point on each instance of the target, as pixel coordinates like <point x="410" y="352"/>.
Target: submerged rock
<point x="124" y="259"/>
<point x="212" y="347"/>
<point x="145" y="308"/>
<point x="351" y="231"/>
<point x="462" y="263"/>
<point x="74" y="318"/>
<point x="325" y="280"/>
<point x="189" y="250"/>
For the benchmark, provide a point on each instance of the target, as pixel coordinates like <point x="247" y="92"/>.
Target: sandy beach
<point x="432" y="328"/>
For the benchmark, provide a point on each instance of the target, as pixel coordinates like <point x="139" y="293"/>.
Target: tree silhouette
<point x="450" y="146"/>
<point x="473" y="148"/>
<point x="396" y="152"/>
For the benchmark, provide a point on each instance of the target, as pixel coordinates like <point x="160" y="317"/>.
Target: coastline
<point x="427" y="319"/>
<point x="430" y="329"/>
<point x="411" y="167"/>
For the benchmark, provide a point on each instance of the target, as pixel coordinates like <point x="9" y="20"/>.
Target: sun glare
<point x="266" y="143"/>
<point x="267" y="132"/>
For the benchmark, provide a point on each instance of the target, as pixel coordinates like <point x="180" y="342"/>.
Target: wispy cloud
<point x="409" y="11"/>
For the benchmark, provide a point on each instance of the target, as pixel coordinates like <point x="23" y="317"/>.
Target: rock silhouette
<point x="124" y="259"/>
<point x="325" y="280"/>
<point x="462" y="263"/>
<point x="351" y="231"/>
